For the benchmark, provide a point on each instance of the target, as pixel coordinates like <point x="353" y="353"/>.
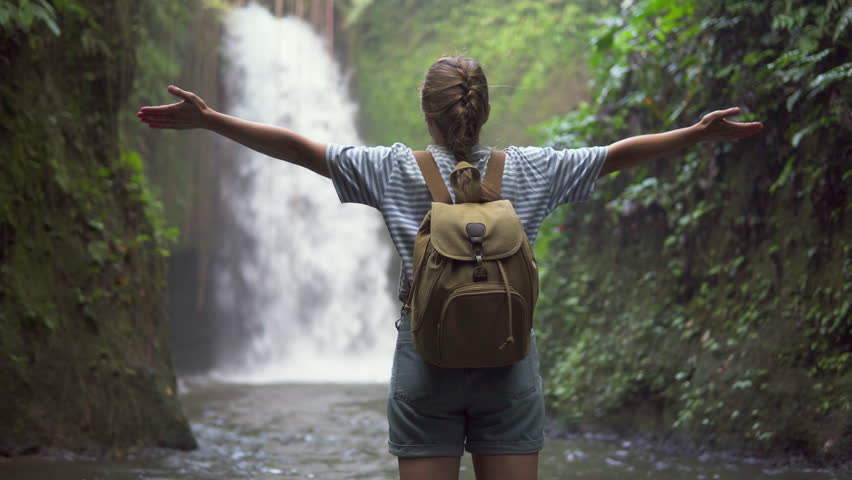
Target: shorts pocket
<point x="416" y="381"/>
<point x="515" y="381"/>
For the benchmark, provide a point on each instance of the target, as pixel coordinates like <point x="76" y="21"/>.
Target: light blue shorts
<point x="437" y="412"/>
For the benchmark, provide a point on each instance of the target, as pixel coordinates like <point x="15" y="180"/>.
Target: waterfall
<point x="315" y="271"/>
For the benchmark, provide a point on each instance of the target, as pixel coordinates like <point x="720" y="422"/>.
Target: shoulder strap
<point x="494" y="175"/>
<point x="429" y="169"/>
<point x="437" y="187"/>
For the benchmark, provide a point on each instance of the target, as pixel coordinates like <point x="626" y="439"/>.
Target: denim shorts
<point x="438" y="412"/>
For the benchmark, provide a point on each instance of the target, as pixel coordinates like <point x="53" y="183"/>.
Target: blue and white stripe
<point x="536" y="180"/>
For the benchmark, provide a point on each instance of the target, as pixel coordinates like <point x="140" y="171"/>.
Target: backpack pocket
<point x="429" y="273"/>
<point x="475" y="326"/>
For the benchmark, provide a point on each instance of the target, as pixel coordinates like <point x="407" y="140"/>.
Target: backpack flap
<point x="451" y="237"/>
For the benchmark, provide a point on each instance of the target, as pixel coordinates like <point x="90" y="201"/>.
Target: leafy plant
<point x="715" y="274"/>
<point x="24" y="14"/>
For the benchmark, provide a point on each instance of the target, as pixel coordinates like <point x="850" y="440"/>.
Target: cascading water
<point x="317" y="271"/>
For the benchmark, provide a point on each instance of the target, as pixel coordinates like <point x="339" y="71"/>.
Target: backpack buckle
<point x="475" y="232"/>
<point x="480" y="274"/>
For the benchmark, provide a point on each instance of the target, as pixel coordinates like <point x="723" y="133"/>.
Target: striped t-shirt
<point x="536" y="180"/>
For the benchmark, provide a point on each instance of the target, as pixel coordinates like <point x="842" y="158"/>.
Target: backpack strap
<point x="494" y="175"/>
<point x="429" y="169"/>
<point x="437" y="187"/>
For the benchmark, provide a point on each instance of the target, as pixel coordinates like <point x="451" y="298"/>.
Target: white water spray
<point x="321" y="268"/>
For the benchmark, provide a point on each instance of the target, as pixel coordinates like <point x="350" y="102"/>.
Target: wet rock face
<point x="84" y="350"/>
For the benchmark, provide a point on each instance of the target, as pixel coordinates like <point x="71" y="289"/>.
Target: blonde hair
<point x="455" y="96"/>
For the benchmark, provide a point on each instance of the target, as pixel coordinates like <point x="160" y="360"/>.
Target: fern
<point x="794" y="65"/>
<point x="811" y="128"/>
<point x="840" y="72"/>
<point x="22" y="15"/>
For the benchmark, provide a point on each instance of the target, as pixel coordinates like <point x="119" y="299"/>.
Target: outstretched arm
<point x="714" y="126"/>
<point x="274" y="141"/>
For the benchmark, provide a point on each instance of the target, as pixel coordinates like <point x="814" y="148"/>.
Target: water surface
<point x="339" y="431"/>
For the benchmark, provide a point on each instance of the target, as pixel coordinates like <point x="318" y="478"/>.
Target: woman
<point x="437" y="413"/>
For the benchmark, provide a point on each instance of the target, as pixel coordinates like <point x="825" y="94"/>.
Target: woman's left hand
<point x="715" y="126"/>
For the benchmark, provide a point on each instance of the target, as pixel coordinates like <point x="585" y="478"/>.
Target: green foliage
<point x="712" y="285"/>
<point x="162" y="40"/>
<point x="530" y="50"/>
<point x="162" y="235"/>
<point x="23" y="13"/>
<point x="176" y="44"/>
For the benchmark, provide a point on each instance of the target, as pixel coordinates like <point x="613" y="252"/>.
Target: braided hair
<point x="455" y="96"/>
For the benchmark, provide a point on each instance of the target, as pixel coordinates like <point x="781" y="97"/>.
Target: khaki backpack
<point x="475" y="277"/>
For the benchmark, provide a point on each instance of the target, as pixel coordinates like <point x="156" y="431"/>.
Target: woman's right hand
<point x="191" y="112"/>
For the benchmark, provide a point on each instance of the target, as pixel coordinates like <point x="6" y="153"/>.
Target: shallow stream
<point x="339" y="431"/>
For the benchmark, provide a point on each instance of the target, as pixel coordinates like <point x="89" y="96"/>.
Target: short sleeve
<point x="360" y="174"/>
<point x="573" y="173"/>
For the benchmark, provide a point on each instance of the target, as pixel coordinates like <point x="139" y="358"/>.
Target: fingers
<point x="174" y="111"/>
<point x="167" y="108"/>
<point x="148" y="112"/>
<point x="749" y="125"/>
<point x="158" y="109"/>
<point x="188" y="97"/>
<point x="164" y="121"/>
<point x="735" y="130"/>
<point x="748" y="129"/>
<point x="182" y="94"/>
<point x="156" y="117"/>
<point x="716" y="115"/>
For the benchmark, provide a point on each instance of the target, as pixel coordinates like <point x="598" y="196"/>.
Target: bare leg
<point x="506" y="467"/>
<point x="429" y="468"/>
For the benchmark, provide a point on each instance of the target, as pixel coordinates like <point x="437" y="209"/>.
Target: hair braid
<point x="455" y="96"/>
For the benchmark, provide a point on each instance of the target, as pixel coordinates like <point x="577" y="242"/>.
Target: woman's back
<point x="535" y="180"/>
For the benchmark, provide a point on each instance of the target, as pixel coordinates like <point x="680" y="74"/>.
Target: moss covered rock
<point x="84" y="349"/>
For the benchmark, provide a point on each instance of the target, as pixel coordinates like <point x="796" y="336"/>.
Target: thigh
<point x="506" y="467"/>
<point x="429" y="468"/>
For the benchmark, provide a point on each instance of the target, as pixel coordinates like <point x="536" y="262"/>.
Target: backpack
<point x="475" y="280"/>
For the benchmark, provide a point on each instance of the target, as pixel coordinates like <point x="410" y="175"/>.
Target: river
<point x="339" y="431"/>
